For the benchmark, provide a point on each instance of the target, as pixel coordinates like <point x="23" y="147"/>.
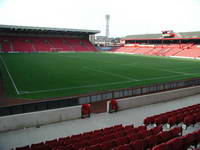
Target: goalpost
<point x="56" y="49"/>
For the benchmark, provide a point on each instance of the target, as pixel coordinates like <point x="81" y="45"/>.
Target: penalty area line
<point x="98" y="85"/>
<point x="13" y="83"/>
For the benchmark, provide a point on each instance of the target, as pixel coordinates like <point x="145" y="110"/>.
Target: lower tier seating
<point x="185" y="50"/>
<point x="44" y="44"/>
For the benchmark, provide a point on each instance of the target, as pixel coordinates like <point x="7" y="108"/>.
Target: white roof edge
<point x="49" y="28"/>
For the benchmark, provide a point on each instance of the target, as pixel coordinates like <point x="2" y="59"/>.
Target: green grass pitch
<point x="45" y="75"/>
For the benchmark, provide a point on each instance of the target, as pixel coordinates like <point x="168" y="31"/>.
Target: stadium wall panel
<point x="138" y="101"/>
<point x="26" y="120"/>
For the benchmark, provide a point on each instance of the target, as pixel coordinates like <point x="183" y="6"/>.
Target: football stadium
<point x="60" y="91"/>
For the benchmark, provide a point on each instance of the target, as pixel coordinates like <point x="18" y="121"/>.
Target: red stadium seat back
<point x="180" y="118"/>
<point x="60" y="148"/>
<point x="188" y="120"/>
<point x="163" y="136"/>
<point x="127" y="127"/>
<point x="122" y="141"/>
<point x="139" y="144"/>
<point x="108" y="137"/>
<point x="148" y="120"/>
<point x="197" y="136"/>
<point x="37" y="144"/>
<point x="176" y="144"/>
<point x="44" y="147"/>
<point x="52" y="143"/>
<point x="177" y="131"/>
<point x="189" y="139"/>
<point x="117" y="127"/>
<point x="61" y="141"/>
<point x="80" y="144"/>
<point x="143" y="134"/>
<point x="93" y="147"/>
<point x="172" y="120"/>
<point x="141" y="128"/>
<point x="108" y="145"/>
<point x="132" y="137"/>
<point x="120" y="134"/>
<point x="151" y="141"/>
<point x="163" y="146"/>
<point x="124" y="147"/>
<point x="161" y="120"/>
<point x="156" y="130"/>
<point x="96" y="141"/>
<point x="23" y="148"/>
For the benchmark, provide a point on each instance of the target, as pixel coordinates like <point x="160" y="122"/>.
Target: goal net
<point x="56" y="49"/>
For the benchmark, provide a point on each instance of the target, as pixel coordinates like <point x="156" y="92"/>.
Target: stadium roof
<point x="180" y="35"/>
<point x="31" y="29"/>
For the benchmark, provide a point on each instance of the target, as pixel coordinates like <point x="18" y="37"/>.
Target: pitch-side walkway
<point x="134" y="116"/>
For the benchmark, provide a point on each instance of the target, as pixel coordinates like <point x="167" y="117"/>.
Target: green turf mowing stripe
<point x="45" y="75"/>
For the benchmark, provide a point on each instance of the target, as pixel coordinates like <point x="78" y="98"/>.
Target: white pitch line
<point x="165" y="70"/>
<point x="112" y="74"/>
<point x="17" y="91"/>
<point x="98" y="85"/>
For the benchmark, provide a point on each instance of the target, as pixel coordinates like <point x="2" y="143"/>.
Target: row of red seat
<point x="119" y="133"/>
<point x="183" y="50"/>
<point x="181" y="143"/>
<point x="187" y="115"/>
<point x="142" y="143"/>
<point x="32" y="44"/>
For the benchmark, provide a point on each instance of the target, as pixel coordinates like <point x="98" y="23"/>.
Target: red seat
<point x="127" y="127"/>
<point x="108" y="145"/>
<point x="52" y="143"/>
<point x="108" y="137"/>
<point x="139" y="144"/>
<point x="188" y="140"/>
<point x="148" y="120"/>
<point x="156" y="130"/>
<point x="23" y="148"/>
<point x="37" y="144"/>
<point x="140" y="128"/>
<point x="176" y="144"/>
<point x="176" y="132"/>
<point x="122" y="141"/>
<point x="120" y="134"/>
<point x="93" y="147"/>
<point x="96" y="141"/>
<point x="163" y="146"/>
<point x="188" y="120"/>
<point x="61" y="141"/>
<point x="151" y="141"/>
<point x="163" y="136"/>
<point x="172" y="121"/>
<point x="42" y="147"/>
<point x="143" y="134"/>
<point x="80" y="144"/>
<point x="124" y="147"/>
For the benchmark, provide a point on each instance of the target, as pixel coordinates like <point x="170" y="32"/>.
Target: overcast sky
<point x="126" y="16"/>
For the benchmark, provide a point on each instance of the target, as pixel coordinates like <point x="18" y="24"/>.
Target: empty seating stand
<point x="183" y="50"/>
<point x="44" y="44"/>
